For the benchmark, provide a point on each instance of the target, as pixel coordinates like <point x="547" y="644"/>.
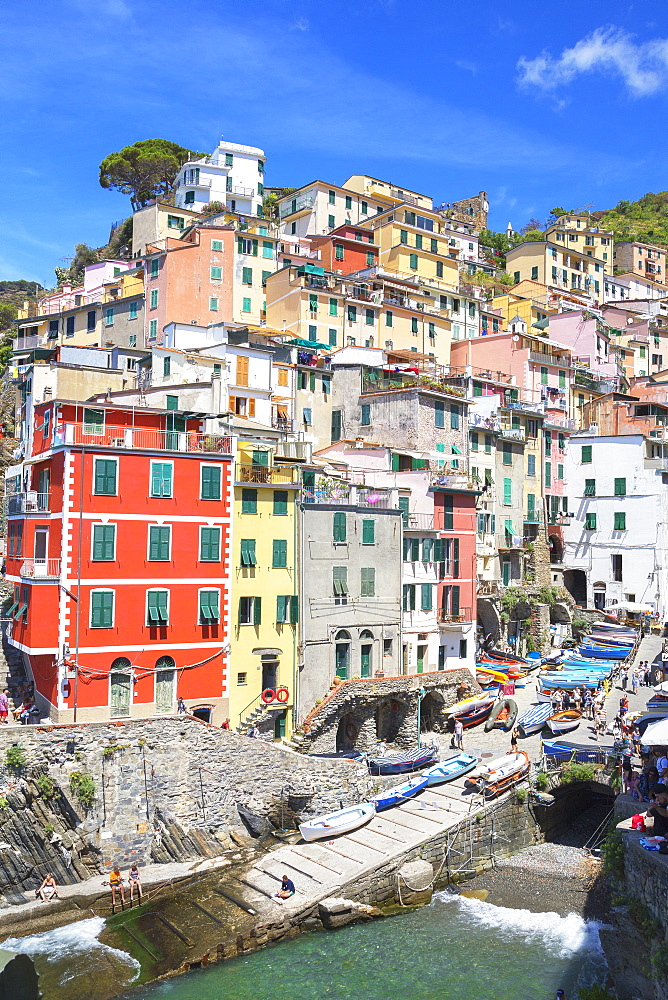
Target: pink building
<point x="586" y="336"/>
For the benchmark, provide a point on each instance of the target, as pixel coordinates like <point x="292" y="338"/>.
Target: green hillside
<point x="645" y="220"/>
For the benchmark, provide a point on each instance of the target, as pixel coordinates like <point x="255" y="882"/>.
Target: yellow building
<point x="575" y="233"/>
<point x="264" y="588"/>
<point x="528" y="300"/>
<point x="416" y="241"/>
<point x="255" y="256"/>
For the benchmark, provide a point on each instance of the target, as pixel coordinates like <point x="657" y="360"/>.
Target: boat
<point x="461" y="707"/>
<point x="563" y="722"/>
<point x="448" y="770"/>
<point x="336" y="823"/>
<point x="599" y="652"/>
<point x="395" y="796"/>
<point x="500" y="775"/>
<point x="533" y="720"/>
<point x="503" y="715"/>
<point x="563" y="751"/>
<point x="403" y="762"/>
<point x="350" y="755"/>
<point x="476" y="715"/>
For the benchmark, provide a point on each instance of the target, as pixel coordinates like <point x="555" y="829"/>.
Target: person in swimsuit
<point x="513" y="740"/>
<point x="48" y="889"/>
<point x="116" y="885"/>
<point x="134" y="881"/>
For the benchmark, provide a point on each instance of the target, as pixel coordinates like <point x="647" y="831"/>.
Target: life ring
<point x="282" y="694"/>
<point x="507" y="706"/>
<point x="394" y="706"/>
<point x="351" y="732"/>
<point x="268" y="695"/>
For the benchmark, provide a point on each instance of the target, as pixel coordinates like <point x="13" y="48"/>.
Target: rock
<point x="337" y="912"/>
<point x="416" y="875"/>
<point x="257" y="826"/>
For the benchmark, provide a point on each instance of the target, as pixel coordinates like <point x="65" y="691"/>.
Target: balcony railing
<point x="41" y="569"/>
<point x="419" y="522"/>
<point x="301" y="204"/>
<point x="25" y="344"/>
<point x="453" y="480"/>
<point x="27" y="503"/>
<point x="373" y="498"/>
<point x="541" y="358"/>
<point x="263" y="475"/>
<point x="533" y="517"/>
<point x="445" y="617"/>
<point x="513" y="433"/>
<point x="143" y="439"/>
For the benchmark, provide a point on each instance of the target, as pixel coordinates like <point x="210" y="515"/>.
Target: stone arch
<point x="575" y="582"/>
<point x="556" y="549"/>
<point x="488" y="618"/>
<point x="348" y="731"/>
<point x="391" y="715"/>
<point x="431" y="712"/>
<point x="560" y="614"/>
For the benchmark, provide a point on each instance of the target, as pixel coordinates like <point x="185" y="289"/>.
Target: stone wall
<point x="356" y="714"/>
<point x="172" y="788"/>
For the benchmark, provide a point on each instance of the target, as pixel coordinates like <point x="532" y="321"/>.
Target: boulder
<point x="337" y="912"/>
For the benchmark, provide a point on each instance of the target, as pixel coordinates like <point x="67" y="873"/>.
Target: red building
<point x="346" y="249"/>
<point x="455" y="520"/>
<point x="118" y="549"/>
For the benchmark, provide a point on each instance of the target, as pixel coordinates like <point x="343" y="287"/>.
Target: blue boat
<point x="395" y="796"/>
<point x="404" y="762"/>
<point x="475" y="716"/>
<point x="563" y="751"/>
<point x="535" y="718"/>
<point x="598" y="652"/>
<point x="448" y="770"/>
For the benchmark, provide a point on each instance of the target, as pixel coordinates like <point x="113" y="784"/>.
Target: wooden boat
<point x="562" y="751"/>
<point x="600" y="653"/>
<point x="404" y="762"/>
<point x="355" y="756"/>
<point x="468" y="704"/>
<point x="394" y="796"/>
<point x="503" y="715"/>
<point x="500" y="775"/>
<point x="476" y="715"/>
<point x="535" y="718"/>
<point x="336" y="823"/>
<point x="448" y="770"/>
<point x="563" y="722"/>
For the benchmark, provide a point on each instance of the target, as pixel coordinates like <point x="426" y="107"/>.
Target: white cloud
<point x="643" y="66"/>
<point x="301" y="24"/>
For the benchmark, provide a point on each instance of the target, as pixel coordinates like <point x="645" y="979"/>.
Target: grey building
<point x="350" y="588"/>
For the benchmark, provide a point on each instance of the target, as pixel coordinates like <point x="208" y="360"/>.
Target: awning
<point x="282" y="411"/>
<point x="23" y="608"/>
<point x="541" y="324"/>
<point x="311" y="269"/>
<point x="456" y="450"/>
<point x="11" y="609"/>
<point x="314" y="344"/>
<point x="509" y="527"/>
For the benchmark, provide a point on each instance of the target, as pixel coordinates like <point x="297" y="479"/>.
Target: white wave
<point x="69" y="942"/>
<point x="562" y="936"/>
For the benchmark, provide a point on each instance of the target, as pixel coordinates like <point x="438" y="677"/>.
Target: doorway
<point x="269" y="674"/>
<point x="342" y="654"/>
<point x="366" y="653"/>
<point x="41" y="551"/>
<point x="204" y="713"/>
<point x="421" y="657"/>
<point x="280" y="721"/>
<point x="164" y="685"/>
<point x="121" y="686"/>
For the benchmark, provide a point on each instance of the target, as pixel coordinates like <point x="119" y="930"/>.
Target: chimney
<point x="216" y="393"/>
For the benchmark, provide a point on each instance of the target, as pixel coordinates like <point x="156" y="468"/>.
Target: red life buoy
<point x="394" y="706"/>
<point x="282" y="694"/>
<point x="268" y="695"/>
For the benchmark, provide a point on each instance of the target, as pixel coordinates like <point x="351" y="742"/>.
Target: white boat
<point x="563" y="722"/>
<point x="468" y="704"/>
<point x="334" y="824"/>
<point x="499" y="775"/>
<point x="535" y="718"/>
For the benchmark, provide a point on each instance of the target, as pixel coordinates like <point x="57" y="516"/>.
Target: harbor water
<point x="456" y="947"/>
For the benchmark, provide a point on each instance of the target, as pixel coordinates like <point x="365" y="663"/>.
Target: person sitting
<point x="287" y="888"/>
<point x="659" y="811"/>
<point x="646" y="784"/>
<point x="116" y="885"/>
<point x="48" y="889"/>
<point x="134" y="881"/>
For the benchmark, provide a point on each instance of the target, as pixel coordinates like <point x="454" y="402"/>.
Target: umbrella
<point x="662" y="688"/>
<point x="656" y="734"/>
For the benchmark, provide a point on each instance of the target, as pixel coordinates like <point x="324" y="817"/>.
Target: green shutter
<point x="448" y="516"/>
<point x="340" y="580"/>
<point x="248" y="501"/>
<point x="548" y="473"/>
<point x="294" y="608"/>
<point x="367" y="581"/>
<point x="247" y="276"/>
<point x="507" y="454"/>
<point x="620" y="521"/>
<point x="280" y="501"/>
<point x="439" y="413"/>
<point x="403" y="501"/>
<point x="279" y="559"/>
<point x="257" y="611"/>
<point x="339" y="527"/>
<point x="208" y="607"/>
<point x="105" y="476"/>
<point x="427" y="549"/>
<point x="590" y="488"/>
<point x="426" y="597"/>
<point x="620" y="487"/>
<point x="586" y="454"/>
<point x="248" y="552"/>
<point x="454" y="601"/>
<point x="158" y="550"/>
<point x="368" y="532"/>
<point x="102" y="609"/>
<point x="590" y="522"/>
<point x="104" y="536"/>
<point x="282" y="609"/>
<point x="210" y="545"/>
<point x="507" y="492"/>
<point x="161" y="479"/>
<point x="211" y="482"/>
<point x="157" y="607"/>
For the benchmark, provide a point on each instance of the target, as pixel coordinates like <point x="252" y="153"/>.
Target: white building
<point x="318" y="208"/>
<point x="615" y="544"/>
<point x="232" y="175"/>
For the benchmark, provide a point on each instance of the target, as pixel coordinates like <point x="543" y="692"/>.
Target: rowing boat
<point x="448" y="770"/>
<point x="336" y="823"/>
<point x="468" y="704"/>
<point x="500" y="775"/>
<point x="398" y="794"/>
<point x="563" y="722"/>
<point x="403" y="762"/>
<point x="533" y="720"/>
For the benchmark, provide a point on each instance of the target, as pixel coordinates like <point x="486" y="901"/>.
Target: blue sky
<point x="538" y="105"/>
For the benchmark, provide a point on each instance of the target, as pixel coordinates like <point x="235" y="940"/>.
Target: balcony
<point x="419" y="522"/>
<point x="533" y="517"/>
<point x="513" y="433"/>
<point x="139" y="438"/>
<point x="558" y="360"/>
<point x="380" y="499"/>
<point x="264" y="475"/>
<point x="20" y="344"/>
<point x="295" y="206"/>
<point x="41" y="569"/>
<point x="444" y="479"/>
<point x="31" y="502"/>
<point x="446" y="618"/>
<point x="487" y="588"/>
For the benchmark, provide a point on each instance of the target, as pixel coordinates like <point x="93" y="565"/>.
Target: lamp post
<point x="421" y="694"/>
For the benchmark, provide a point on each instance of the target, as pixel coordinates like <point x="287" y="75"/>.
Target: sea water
<point x="454" y="949"/>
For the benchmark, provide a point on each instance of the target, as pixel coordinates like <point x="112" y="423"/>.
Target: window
<point x="159" y="542"/>
<point x="531" y="465"/>
<point x="247" y="556"/>
<point x="516" y="277"/>
<point x="370" y="258"/>
<point x="340" y="581"/>
<point x="105" y="475"/>
<point x="507" y="454"/>
<point x="216" y="273"/>
<point x="560" y="471"/>
<point x="161" y="479"/>
<point x="368" y="532"/>
<point x="209" y="544"/>
<point x="418" y="242"/>
<point x="366" y="414"/>
<point x="617" y="568"/>
<point x="507" y="492"/>
<point x="246" y="305"/>
<point x="210" y="486"/>
<point x="280" y="502"/>
<point x="248" y="501"/>
<point x="331" y="221"/>
<point x="156" y="607"/>
<point x="229" y="159"/>
<point x="349" y="202"/>
<point x="102" y="609"/>
<point x="109" y="317"/>
<point x="247" y="275"/>
<point x="586" y="454"/>
<point x="365" y="208"/>
<point x="367" y="581"/>
<point x="534" y="273"/>
<point x="339" y="527"/>
<point x="217" y="245"/>
<point x="409" y="597"/>
<point x="426" y="597"/>
<point x="620" y="487"/>
<point x="474" y="440"/>
<point x="153" y="299"/>
<point x="69" y="326"/>
<point x="413" y="262"/>
<point x="209" y="607"/>
<point x="590" y="522"/>
<point x="439" y="413"/>
<point x="90" y="321"/>
<point x="166" y="366"/>
<point x="153" y="329"/>
<point x="336" y="425"/>
<point x="104" y="542"/>
<point x="414" y="324"/>
<point x="620" y="521"/>
<point x="590" y="488"/>
<point x="279" y="557"/>
<point x="548" y="473"/>
<point x="369" y="317"/>
<point x="454" y="417"/>
<point x="213" y="303"/>
<point x="488" y="444"/>
<point x="448" y="513"/>
<point x="411" y="549"/>
<point x="562" y="379"/>
<point x="332" y="197"/>
<point x="543" y="375"/>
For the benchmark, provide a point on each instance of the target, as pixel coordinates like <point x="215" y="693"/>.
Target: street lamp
<point x="421" y="694"/>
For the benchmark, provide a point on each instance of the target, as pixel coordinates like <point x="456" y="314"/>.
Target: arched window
<point x="121" y="687"/>
<point x="120" y="664"/>
<point x="366" y="636"/>
<point x="342" y="636"/>
<point x="342" y="654"/>
<point x="164" y="684"/>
